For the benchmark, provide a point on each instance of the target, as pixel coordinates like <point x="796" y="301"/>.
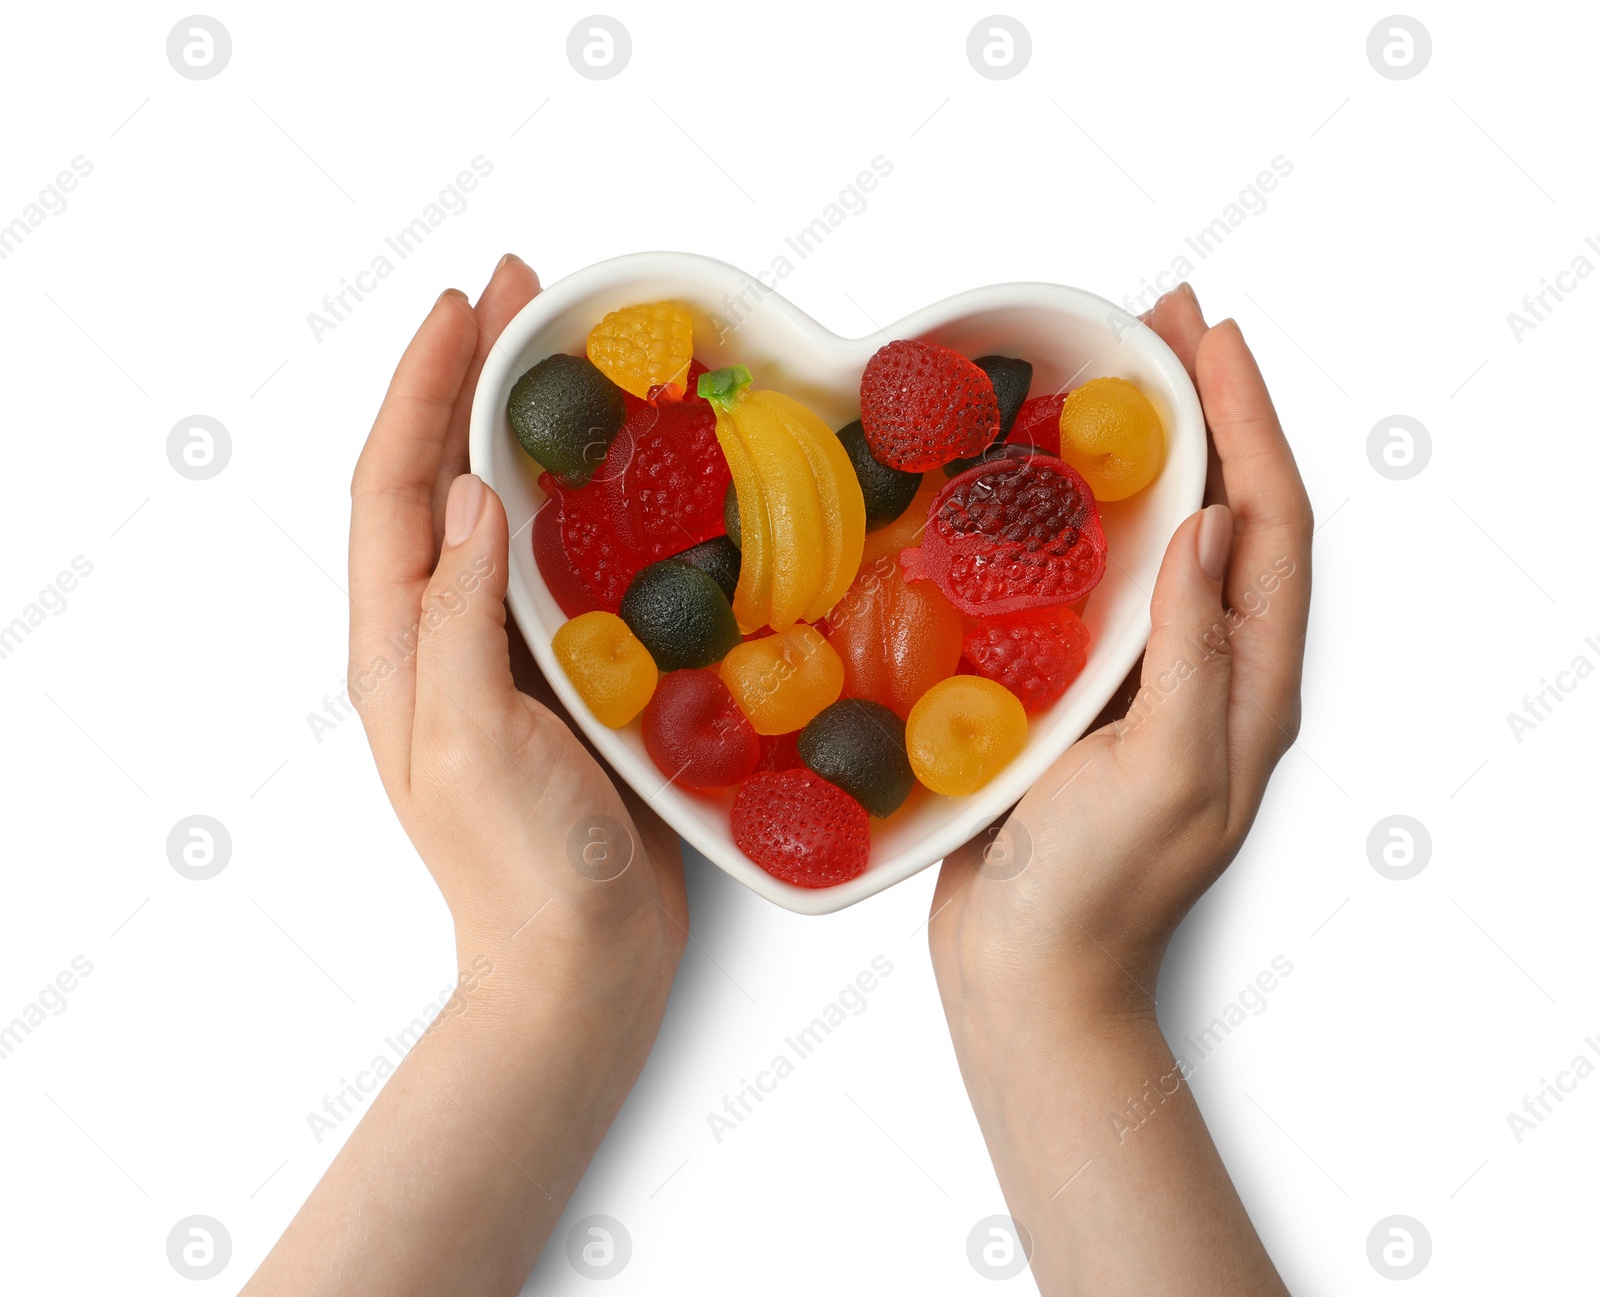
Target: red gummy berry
<point x="1039" y="423"/>
<point x="1020" y="531"/>
<point x="923" y="405"/>
<point x="695" y="732"/>
<point x="1036" y="653"/>
<point x="658" y="492"/>
<point x="800" y="828"/>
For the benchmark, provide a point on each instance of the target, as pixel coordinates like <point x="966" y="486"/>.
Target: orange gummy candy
<point x="781" y="681"/>
<point x="612" y="671"/>
<point x="963" y="732"/>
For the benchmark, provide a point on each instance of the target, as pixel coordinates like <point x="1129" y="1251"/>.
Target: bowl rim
<point x="502" y="367"/>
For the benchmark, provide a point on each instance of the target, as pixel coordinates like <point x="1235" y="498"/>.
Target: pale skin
<point x="462" y="1165"/>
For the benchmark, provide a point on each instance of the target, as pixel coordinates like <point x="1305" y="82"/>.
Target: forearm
<point x="1101" y="1150"/>
<point x="462" y="1166"/>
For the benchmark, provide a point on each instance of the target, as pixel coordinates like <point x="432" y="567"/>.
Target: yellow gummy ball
<point x="641" y="347"/>
<point x="612" y="671"/>
<point x="963" y="732"/>
<point x="1112" y="435"/>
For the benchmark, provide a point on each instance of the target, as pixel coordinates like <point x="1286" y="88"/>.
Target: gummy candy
<point x="642" y="348"/>
<point x="718" y="558"/>
<point x="861" y="746"/>
<point x="1020" y="531"/>
<point x="1112" y="435"/>
<point x="800" y="828"/>
<point x="887" y="491"/>
<point x="696" y="734"/>
<point x="566" y="413"/>
<point x="1035" y="654"/>
<point x="658" y="492"/>
<point x="963" y="732"/>
<point x="801" y="514"/>
<point x="679" y="614"/>
<point x="612" y="671"/>
<point x="781" y="681"/>
<point x="779" y="752"/>
<point x="1011" y="378"/>
<point x="923" y="405"/>
<point x="1039" y="424"/>
<point x="896" y="640"/>
<point x="730" y="515"/>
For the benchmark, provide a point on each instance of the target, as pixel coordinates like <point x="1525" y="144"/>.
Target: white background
<point x="179" y="676"/>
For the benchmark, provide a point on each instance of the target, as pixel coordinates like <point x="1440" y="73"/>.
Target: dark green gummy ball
<point x="860" y="746"/>
<point x="565" y="413"/>
<point x="680" y="614"/>
<point x="886" y="490"/>
<point x="1011" y="379"/>
<point x="718" y="558"/>
<point x="730" y="515"/>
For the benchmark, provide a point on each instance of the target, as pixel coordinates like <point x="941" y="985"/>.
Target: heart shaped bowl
<point x="1069" y="336"/>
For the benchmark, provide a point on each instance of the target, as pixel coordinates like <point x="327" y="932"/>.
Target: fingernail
<point x="509" y="259"/>
<point x="1185" y="287"/>
<point x="452" y="292"/>
<point x="1215" y="542"/>
<point x="463" y="508"/>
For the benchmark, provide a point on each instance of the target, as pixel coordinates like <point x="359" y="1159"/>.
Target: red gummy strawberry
<point x="1039" y="423"/>
<point x="1019" y="531"/>
<point x="658" y="491"/>
<point x="800" y="828"/>
<point x="923" y="405"/>
<point x="1035" y="654"/>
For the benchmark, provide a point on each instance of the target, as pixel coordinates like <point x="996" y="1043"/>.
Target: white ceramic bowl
<point x="1069" y="335"/>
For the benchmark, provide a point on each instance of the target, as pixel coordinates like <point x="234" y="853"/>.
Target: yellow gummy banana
<point x="801" y="514"/>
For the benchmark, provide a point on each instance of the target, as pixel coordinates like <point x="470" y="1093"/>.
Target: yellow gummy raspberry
<point x="642" y="347"/>
<point x="612" y="671"/>
<point x="1112" y="435"/>
<point x="963" y="732"/>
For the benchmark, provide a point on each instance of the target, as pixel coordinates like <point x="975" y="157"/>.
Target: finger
<point x="463" y="657"/>
<point x="512" y="286"/>
<point x="391" y="526"/>
<point x="1182" y="704"/>
<point x="1269" y="577"/>
<point x="1177" y="320"/>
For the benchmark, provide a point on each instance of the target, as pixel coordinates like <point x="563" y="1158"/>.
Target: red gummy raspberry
<point x="1020" y="531"/>
<point x="1039" y="423"/>
<point x="923" y="405"/>
<point x="658" y="491"/>
<point x="695" y="732"/>
<point x="1036" y="653"/>
<point x="800" y="828"/>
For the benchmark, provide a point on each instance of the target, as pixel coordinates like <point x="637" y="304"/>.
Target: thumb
<point x="463" y="659"/>
<point x="1183" y="692"/>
